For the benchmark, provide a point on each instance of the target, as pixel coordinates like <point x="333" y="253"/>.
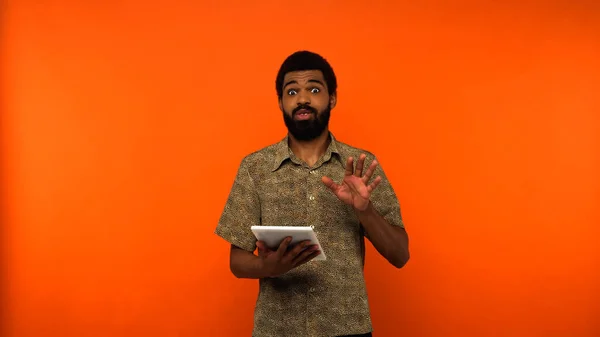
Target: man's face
<point x="306" y="104"/>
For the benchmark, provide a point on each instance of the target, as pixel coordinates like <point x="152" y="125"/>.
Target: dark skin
<point x="390" y="241"/>
<point x="308" y="87"/>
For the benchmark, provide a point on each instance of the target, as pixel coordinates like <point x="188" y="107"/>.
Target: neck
<point x="310" y="151"/>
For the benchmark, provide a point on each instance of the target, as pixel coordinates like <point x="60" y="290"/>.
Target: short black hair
<point x="306" y="60"/>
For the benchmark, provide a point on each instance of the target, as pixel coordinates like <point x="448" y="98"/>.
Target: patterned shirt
<point x="275" y="188"/>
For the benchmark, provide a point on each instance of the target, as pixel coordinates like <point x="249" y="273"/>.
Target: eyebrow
<point x="310" y="81"/>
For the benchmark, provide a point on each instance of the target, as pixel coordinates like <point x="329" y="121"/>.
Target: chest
<point x="296" y="196"/>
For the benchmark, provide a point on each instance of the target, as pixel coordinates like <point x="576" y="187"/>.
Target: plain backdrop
<point x="123" y="124"/>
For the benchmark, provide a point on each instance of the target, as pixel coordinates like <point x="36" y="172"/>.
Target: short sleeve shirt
<point x="274" y="188"/>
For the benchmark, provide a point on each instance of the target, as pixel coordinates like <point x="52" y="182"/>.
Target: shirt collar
<point x="284" y="152"/>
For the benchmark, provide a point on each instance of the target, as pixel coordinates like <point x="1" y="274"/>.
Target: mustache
<point x="305" y="107"/>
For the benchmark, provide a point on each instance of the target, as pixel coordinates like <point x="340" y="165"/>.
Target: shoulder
<point x="262" y="158"/>
<point x="267" y="152"/>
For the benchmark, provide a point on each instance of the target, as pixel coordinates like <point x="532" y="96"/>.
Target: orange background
<point x="123" y="123"/>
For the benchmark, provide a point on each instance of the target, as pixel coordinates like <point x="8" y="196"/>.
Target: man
<point x="310" y="178"/>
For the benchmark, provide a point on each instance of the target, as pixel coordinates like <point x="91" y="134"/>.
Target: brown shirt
<point x="320" y="298"/>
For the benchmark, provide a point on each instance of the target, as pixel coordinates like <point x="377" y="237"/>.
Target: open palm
<point x="355" y="189"/>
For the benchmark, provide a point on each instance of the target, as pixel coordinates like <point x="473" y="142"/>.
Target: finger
<point x="329" y="183"/>
<point x="370" y="171"/>
<point x="293" y="253"/>
<point x="359" y="165"/>
<point x="261" y="247"/>
<point x="374" y="184"/>
<point x="307" y="256"/>
<point x="299" y="248"/>
<point x="303" y="254"/>
<point x="283" y="246"/>
<point x="349" y="166"/>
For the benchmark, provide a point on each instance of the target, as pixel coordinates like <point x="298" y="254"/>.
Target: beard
<point x="306" y="130"/>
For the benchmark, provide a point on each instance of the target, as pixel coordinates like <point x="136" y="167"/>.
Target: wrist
<point x="365" y="212"/>
<point x="264" y="270"/>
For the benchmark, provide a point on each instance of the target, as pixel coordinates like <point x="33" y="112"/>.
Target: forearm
<point x="245" y="264"/>
<point x="390" y="241"/>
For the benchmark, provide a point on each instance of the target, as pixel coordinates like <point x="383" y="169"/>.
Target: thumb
<point x="329" y="183"/>
<point x="261" y="247"/>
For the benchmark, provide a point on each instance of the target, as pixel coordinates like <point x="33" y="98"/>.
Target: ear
<point x="332" y="101"/>
<point x="280" y="104"/>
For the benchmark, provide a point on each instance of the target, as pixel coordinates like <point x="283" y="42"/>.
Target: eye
<point x="315" y="90"/>
<point x="291" y="92"/>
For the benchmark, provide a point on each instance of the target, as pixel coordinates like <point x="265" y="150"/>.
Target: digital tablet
<point x="273" y="235"/>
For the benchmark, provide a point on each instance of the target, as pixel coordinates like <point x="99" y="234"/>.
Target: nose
<point x="303" y="98"/>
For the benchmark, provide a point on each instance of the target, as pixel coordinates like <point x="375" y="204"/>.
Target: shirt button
<point x="313" y="171"/>
<point x="312" y="290"/>
<point x="311" y="197"/>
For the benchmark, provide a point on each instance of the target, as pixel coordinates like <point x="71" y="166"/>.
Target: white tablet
<point x="273" y="235"/>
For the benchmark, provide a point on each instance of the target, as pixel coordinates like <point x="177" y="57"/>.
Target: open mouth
<point x="303" y="114"/>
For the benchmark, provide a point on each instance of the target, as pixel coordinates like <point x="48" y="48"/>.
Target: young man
<point x="310" y="178"/>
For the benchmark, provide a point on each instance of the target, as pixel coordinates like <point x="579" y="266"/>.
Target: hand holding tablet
<point x="273" y="236"/>
<point x="285" y="247"/>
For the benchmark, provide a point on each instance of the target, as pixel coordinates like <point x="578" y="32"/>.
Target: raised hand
<point x="355" y="189"/>
<point x="285" y="258"/>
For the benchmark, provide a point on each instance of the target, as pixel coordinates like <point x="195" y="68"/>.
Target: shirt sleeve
<point x="242" y="210"/>
<point x="384" y="197"/>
